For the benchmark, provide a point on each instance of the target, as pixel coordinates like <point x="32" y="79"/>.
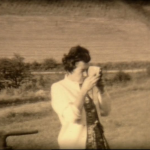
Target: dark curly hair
<point x="75" y="54"/>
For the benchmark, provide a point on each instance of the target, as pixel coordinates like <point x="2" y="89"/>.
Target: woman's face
<point x="80" y="72"/>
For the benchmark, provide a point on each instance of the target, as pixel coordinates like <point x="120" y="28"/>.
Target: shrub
<point x="13" y="71"/>
<point x="108" y="82"/>
<point x="49" y="64"/>
<point x="121" y="77"/>
<point x="148" y="71"/>
<point x="35" y="66"/>
<point x="41" y="82"/>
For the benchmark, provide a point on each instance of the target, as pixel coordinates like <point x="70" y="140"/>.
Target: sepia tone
<point x="112" y="30"/>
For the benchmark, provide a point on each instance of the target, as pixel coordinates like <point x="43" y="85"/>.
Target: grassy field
<point x="127" y="126"/>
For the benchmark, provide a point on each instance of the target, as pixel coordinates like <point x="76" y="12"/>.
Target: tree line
<point x="15" y="71"/>
<point x="50" y="64"/>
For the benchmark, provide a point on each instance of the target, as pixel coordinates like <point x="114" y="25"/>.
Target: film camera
<point x="95" y="70"/>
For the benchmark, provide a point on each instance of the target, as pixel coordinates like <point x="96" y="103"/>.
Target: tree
<point x="121" y="77"/>
<point x="14" y="70"/>
<point x="49" y="63"/>
<point x="35" y="65"/>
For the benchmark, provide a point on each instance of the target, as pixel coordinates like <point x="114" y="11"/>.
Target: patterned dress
<point x="95" y="133"/>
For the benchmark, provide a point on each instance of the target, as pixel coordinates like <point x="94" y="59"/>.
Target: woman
<point x="77" y="108"/>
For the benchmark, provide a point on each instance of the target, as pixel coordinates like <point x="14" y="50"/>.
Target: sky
<point x="119" y="34"/>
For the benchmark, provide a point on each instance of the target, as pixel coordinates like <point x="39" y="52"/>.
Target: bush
<point x="121" y="77"/>
<point x="148" y="71"/>
<point x="108" y="82"/>
<point x="36" y="83"/>
<point x="13" y="71"/>
<point x="40" y="81"/>
<point x="49" y="64"/>
<point x="35" y="66"/>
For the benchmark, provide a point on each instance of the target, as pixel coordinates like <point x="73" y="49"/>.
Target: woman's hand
<point x="89" y="83"/>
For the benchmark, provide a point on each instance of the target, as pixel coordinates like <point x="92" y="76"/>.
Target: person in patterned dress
<point x="77" y="100"/>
